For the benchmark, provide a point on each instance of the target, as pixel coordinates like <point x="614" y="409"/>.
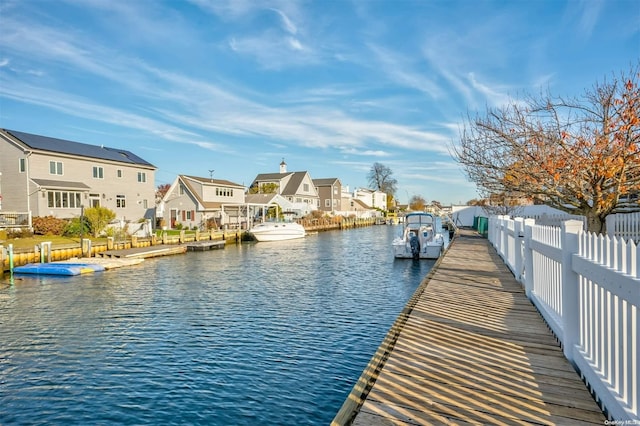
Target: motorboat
<point x="277" y="231"/>
<point x="423" y="237"/>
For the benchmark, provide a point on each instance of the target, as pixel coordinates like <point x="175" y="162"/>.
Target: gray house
<point x="192" y="202"/>
<point x="55" y="177"/>
<point x="330" y="193"/>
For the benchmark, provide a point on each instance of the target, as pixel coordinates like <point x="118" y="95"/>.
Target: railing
<point x="625" y="225"/>
<point x="15" y="220"/>
<point x="587" y="288"/>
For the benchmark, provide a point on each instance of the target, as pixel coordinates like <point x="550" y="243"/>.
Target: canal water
<point x="267" y="333"/>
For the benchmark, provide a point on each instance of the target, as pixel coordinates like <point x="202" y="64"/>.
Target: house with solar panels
<point x="46" y="176"/>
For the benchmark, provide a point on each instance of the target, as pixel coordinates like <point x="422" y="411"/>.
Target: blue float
<point x="58" y="268"/>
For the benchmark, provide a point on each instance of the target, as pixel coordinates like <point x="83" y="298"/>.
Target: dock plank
<point x="472" y="350"/>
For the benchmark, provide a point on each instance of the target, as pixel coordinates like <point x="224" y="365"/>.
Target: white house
<point x="296" y="187"/>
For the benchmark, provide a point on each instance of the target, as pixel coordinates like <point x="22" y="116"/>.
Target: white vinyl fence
<point x="587" y="288"/>
<point x="625" y="225"/>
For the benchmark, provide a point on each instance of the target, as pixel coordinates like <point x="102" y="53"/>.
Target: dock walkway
<point x="470" y="349"/>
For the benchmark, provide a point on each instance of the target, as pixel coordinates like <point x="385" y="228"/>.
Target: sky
<point x="230" y="88"/>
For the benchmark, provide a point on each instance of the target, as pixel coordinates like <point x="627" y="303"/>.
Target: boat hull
<point x="278" y="231"/>
<point x="402" y="250"/>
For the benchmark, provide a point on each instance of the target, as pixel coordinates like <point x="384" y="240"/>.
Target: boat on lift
<point x="423" y="237"/>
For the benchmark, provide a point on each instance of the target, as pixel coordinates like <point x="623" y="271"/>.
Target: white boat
<point x="422" y="238"/>
<point x="277" y="231"/>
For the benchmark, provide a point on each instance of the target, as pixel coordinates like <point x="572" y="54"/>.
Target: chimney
<point x="283" y="167"/>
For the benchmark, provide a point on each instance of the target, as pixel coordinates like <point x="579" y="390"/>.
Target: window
<point x="98" y="172"/>
<point x="224" y="192"/>
<point x="22" y="165"/>
<point x="119" y="173"/>
<point x="145" y="204"/>
<point x="181" y="190"/>
<point x="64" y="199"/>
<point x="55" y="167"/>
<point x="327" y="203"/>
<point x="305" y="187"/>
<point x="142" y="177"/>
<point x="121" y="201"/>
<point x="189" y="215"/>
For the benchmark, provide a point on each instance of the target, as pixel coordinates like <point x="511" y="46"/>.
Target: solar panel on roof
<point x="76" y="148"/>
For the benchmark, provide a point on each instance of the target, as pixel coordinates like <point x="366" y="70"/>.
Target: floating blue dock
<point x="58" y="268"/>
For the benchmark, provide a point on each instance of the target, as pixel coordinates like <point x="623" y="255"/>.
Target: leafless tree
<point x="380" y="177"/>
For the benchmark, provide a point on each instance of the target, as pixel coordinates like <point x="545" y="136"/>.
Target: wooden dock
<point x="469" y="348"/>
<point x="205" y="245"/>
<point x="145" y="252"/>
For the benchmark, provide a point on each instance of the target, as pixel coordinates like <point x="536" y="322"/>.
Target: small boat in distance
<point x="277" y="231"/>
<point x="423" y="237"/>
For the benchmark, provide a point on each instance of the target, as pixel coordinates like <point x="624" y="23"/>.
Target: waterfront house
<point x="371" y="197"/>
<point x="45" y="176"/>
<point x="198" y="202"/>
<point x="296" y="187"/>
<point x="330" y="194"/>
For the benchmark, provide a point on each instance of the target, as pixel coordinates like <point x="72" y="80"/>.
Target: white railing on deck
<point x="587" y="287"/>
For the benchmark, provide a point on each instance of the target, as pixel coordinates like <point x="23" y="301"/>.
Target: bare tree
<point x="577" y="155"/>
<point x="380" y="177"/>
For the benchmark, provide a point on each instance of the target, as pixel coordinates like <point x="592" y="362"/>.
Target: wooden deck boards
<point x="474" y="350"/>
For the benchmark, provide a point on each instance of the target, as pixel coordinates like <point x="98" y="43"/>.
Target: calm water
<point x="267" y="333"/>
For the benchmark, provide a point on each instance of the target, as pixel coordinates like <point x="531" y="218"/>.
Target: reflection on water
<point x="267" y="333"/>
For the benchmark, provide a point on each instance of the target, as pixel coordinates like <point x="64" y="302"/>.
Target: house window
<point x="55" y="167"/>
<point x="145" y="204"/>
<point x="121" y="201"/>
<point x="142" y="177"/>
<point x="224" y="192"/>
<point x="98" y="172"/>
<point x="22" y="165"/>
<point x="327" y="203"/>
<point x="189" y="216"/>
<point x="64" y="199"/>
<point x="119" y="173"/>
<point x="305" y="187"/>
<point x="181" y="190"/>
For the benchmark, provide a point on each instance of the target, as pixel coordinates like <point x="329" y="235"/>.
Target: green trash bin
<point x="483" y="226"/>
<point x="475" y="223"/>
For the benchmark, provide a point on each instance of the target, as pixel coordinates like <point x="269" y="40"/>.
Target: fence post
<point x="518" y="236"/>
<point x="610" y="225"/>
<point x="528" y="257"/>
<point x="570" y="301"/>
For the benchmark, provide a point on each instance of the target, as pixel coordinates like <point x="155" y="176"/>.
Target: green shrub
<point x="77" y="227"/>
<point x="48" y="225"/>
<point x="98" y="218"/>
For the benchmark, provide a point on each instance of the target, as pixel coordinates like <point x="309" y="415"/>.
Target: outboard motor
<point x="414" y="243"/>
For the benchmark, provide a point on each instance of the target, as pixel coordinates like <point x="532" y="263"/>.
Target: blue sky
<point x="331" y="86"/>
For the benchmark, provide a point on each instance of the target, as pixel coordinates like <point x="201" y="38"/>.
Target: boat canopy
<point x="418" y="219"/>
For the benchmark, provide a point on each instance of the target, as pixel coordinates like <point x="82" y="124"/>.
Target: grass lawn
<point x="30" y="242"/>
